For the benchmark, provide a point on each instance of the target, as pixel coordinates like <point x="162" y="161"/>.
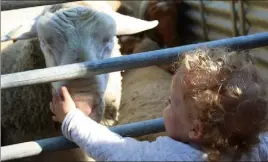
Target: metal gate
<point x="106" y="66"/>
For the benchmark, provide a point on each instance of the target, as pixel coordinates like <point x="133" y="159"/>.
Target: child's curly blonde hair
<point x="229" y="96"/>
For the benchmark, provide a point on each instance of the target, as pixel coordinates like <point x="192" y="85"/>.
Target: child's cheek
<point x="167" y="115"/>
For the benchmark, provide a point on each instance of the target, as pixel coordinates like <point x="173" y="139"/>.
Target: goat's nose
<point x="84" y="107"/>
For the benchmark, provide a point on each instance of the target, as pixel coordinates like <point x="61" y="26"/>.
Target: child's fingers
<point x="55" y="104"/>
<point x="54" y="118"/>
<point x="65" y="94"/>
<point x="51" y="107"/>
<point x="58" y="99"/>
<point x="53" y="100"/>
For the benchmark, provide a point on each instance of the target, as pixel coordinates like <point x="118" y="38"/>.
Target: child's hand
<point x="62" y="105"/>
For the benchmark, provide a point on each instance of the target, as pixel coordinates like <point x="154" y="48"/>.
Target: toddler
<point x="217" y="111"/>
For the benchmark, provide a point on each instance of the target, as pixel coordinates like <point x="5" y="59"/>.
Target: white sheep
<point x="67" y="33"/>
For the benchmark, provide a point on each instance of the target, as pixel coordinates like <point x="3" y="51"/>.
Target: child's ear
<point x="196" y="131"/>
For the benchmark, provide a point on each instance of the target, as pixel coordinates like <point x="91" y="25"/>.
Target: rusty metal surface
<point x="250" y="17"/>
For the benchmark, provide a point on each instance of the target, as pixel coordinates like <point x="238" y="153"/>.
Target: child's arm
<point x="98" y="141"/>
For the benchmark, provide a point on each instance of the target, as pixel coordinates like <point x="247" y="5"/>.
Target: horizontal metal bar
<point x="18" y="4"/>
<point x="78" y="70"/>
<point x="32" y="148"/>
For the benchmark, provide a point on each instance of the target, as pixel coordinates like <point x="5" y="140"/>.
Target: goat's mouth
<point x="88" y="105"/>
<point x="84" y="106"/>
<point x="91" y="104"/>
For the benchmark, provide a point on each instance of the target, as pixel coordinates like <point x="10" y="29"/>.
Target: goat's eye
<point x="106" y="40"/>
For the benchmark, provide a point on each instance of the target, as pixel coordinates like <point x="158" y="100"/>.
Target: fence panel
<point x="213" y="20"/>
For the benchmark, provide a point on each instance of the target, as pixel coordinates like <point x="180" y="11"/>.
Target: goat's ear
<point x="24" y="31"/>
<point x="126" y="25"/>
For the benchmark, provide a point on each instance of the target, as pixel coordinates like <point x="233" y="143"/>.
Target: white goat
<point x="67" y="33"/>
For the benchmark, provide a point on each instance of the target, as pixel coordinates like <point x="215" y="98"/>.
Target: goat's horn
<point x="127" y="25"/>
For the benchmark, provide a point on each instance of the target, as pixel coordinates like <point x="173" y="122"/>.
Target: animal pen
<point x="91" y="68"/>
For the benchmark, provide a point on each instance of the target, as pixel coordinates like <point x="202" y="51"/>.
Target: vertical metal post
<point x="242" y="17"/>
<point x="233" y="14"/>
<point x="203" y="20"/>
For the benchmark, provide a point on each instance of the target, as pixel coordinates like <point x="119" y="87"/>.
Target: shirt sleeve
<point x="99" y="142"/>
<point x="263" y="146"/>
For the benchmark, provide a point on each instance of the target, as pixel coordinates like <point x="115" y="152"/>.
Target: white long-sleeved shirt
<point x="104" y="145"/>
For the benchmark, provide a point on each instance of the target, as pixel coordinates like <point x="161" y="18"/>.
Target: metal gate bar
<point x="144" y="59"/>
<point x="203" y="20"/>
<point x="33" y="148"/>
<point x="234" y="17"/>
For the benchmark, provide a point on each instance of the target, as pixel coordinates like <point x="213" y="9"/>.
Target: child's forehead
<point x="177" y="79"/>
<point x="182" y="77"/>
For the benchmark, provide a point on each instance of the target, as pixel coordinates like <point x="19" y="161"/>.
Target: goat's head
<point x="78" y="34"/>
